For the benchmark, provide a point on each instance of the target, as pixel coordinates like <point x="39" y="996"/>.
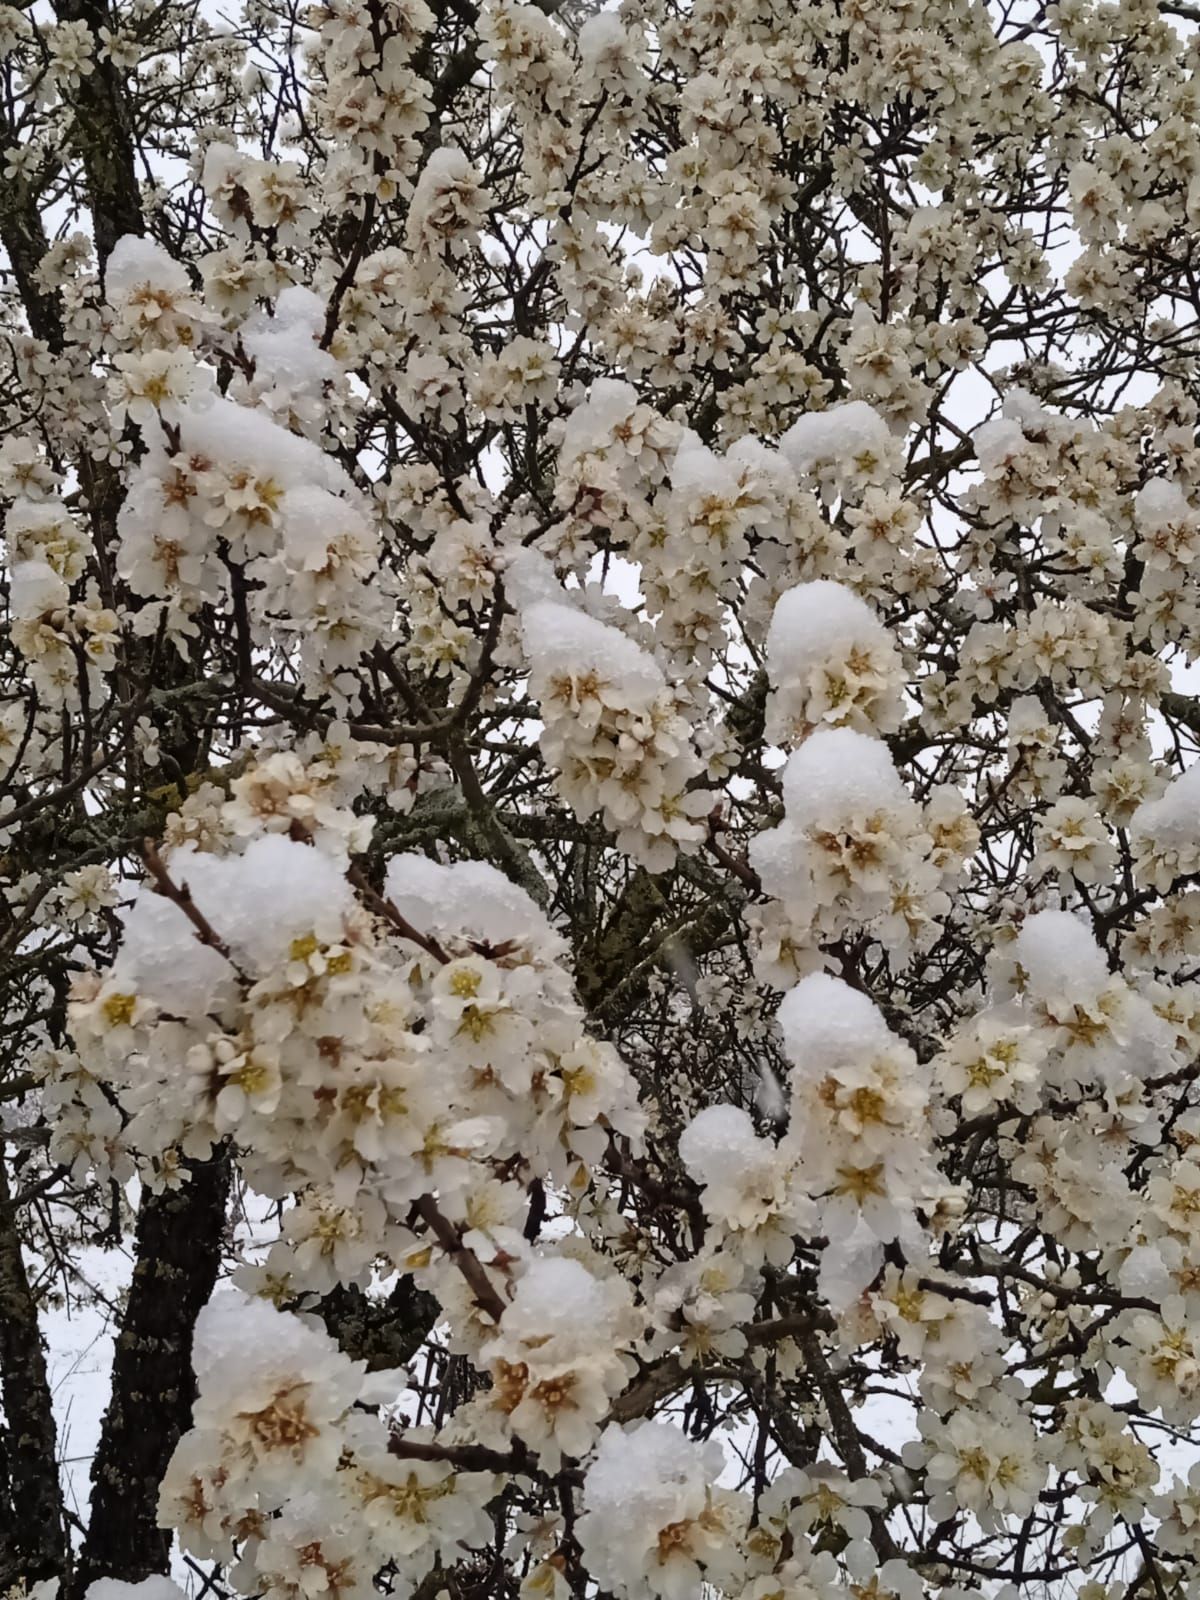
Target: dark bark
<point x="178" y="1249"/>
<point x="179" y="1233"/>
<point x="24" y="241"/>
<point x="383" y="1333"/>
<point x="33" y="1544"/>
<point x="102" y="134"/>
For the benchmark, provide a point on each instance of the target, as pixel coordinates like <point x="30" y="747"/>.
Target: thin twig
<point x="180" y="895"/>
<point x="487" y="1296"/>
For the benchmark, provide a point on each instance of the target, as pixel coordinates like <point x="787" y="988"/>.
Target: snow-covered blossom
<point x="1165" y="837"/>
<point x="556" y="1362"/>
<point x="748" y="1184"/>
<point x="653" y="1522"/>
<point x="831" y="663"/>
<point x="852" y="849"/>
<point x="1098" y="1026"/>
<point x="859" y="1100"/>
<point x="614" y="732"/>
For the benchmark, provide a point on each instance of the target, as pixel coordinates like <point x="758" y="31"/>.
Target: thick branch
<point x="35" y="1540"/>
<point x="103" y="136"/>
<point x="178" y="1251"/>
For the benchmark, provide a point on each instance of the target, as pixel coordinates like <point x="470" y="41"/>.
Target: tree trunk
<point x="33" y="1545"/>
<point x="178" y="1252"/>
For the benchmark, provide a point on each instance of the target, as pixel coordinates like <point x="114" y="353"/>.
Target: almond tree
<point x="599" y="813"/>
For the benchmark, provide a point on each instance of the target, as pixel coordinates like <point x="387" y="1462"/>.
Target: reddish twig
<point x="385" y="908"/>
<point x="180" y="896"/>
